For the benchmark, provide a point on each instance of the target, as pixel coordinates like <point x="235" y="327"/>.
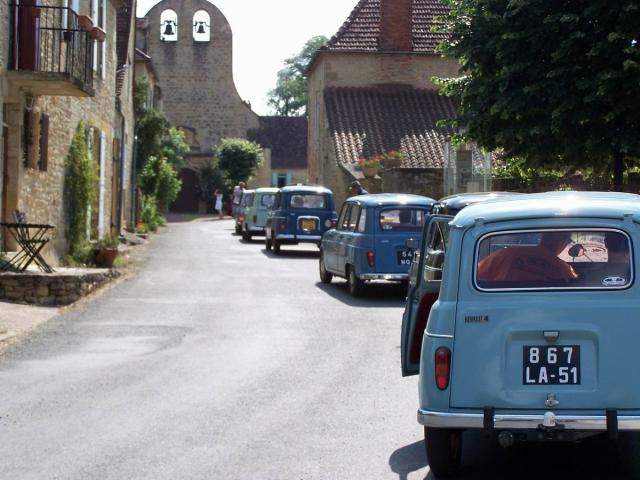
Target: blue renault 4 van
<point x="299" y="214"/>
<point x="532" y="336"/>
<point x="370" y="239"/>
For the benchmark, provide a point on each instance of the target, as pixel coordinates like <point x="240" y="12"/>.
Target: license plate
<point x="551" y="365"/>
<point x="308" y="224"/>
<point x="405" y="257"/>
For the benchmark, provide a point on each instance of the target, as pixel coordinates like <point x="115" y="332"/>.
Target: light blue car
<point x="534" y="333"/>
<point x="370" y="239"/>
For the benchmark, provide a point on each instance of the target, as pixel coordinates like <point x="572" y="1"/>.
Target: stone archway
<point x="188" y="200"/>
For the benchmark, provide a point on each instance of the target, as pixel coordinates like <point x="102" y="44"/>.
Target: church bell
<point x="168" y="29"/>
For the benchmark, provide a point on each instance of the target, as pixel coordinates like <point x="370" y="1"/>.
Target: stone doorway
<point x="188" y="200"/>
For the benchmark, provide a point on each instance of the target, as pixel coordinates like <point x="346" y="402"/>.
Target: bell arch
<point x="201" y="26"/>
<point x="169" y="26"/>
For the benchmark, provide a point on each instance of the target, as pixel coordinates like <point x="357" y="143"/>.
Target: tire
<point x="325" y="277"/>
<point x="444" y="451"/>
<point x="276" y="245"/>
<point x="356" y="286"/>
<point x="267" y="242"/>
<point x="238" y="229"/>
<point x="246" y="235"/>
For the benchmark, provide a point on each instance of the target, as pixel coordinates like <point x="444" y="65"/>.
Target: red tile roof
<point x="364" y="122"/>
<point x="360" y="32"/>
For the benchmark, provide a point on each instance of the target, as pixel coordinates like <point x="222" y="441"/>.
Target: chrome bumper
<point x="384" y="276"/>
<point x="299" y="237"/>
<point x="253" y="228"/>
<point x="525" y="422"/>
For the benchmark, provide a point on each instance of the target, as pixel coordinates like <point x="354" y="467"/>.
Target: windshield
<point x="563" y="258"/>
<point x="404" y="219"/>
<point x="307" y="200"/>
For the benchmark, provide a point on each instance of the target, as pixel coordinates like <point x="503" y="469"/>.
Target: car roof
<point x="386" y="199"/>
<point x="267" y="190"/>
<point x="461" y="200"/>
<point x="551" y="204"/>
<point x="305" y="189"/>
<point x="244" y="192"/>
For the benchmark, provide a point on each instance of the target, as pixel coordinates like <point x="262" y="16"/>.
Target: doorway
<point x="188" y="200"/>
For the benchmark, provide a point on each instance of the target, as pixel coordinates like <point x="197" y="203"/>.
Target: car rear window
<point x="402" y="220"/>
<point x="554" y="259"/>
<point x="307" y="200"/>
<point x="267" y="199"/>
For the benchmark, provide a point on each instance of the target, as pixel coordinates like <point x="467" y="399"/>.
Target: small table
<point x="31" y="238"/>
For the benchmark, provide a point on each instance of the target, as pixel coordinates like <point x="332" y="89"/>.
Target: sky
<point x="266" y="32"/>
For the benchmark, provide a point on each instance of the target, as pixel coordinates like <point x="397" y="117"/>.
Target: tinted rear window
<point x="267" y="199"/>
<point x="307" y="200"/>
<point x="402" y="219"/>
<point x="554" y="259"/>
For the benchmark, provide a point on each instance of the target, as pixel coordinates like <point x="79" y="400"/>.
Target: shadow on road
<point x="376" y="294"/>
<point x="189" y="217"/>
<point x="408" y="459"/>
<point x="290" y="254"/>
<point x="594" y="458"/>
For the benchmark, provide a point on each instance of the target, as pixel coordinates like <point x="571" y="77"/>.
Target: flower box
<point x="392" y="159"/>
<point x="85" y="22"/>
<point x="98" y="34"/>
<point x="369" y="172"/>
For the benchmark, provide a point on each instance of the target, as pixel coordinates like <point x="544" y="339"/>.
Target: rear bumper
<point x="254" y="229"/>
<point x="299" y="238"/>
<point x="384" y="276"/>
<point x="527" y="422"/>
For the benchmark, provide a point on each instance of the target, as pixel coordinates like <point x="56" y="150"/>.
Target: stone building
<point x="284" y="140"/>
<point x="67" y="61"/>
<point x="371" y="90"/>
<point x="190" y="44"/>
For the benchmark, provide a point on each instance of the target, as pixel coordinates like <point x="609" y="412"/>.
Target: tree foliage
<point x="290" y="96"/>
<point x="159" y="180"/>
<point x="238" y="159"/>
<point x="551" y="82"/>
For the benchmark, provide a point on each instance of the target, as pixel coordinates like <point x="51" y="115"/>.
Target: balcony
<point x="50" y="53"/>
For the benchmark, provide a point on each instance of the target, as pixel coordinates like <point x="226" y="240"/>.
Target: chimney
<point x="395" y="25"/>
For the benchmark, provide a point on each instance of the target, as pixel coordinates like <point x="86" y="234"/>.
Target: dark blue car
<point x="299" y="214"/>
<point x="370" y="239"/>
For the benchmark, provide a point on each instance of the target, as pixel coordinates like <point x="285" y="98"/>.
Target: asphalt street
<point x="220" y="360"/>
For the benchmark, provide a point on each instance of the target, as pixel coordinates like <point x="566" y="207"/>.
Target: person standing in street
<point x="237" y="196"/>
<point x="356" y="188"/>
<point x="218" y="204"/>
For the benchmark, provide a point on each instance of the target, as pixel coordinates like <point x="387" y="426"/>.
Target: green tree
<point x="289" y="97"/>
<point x="159" y="180"/>
<point x="238" y="159"/>
<point x="211" y="178"/>
<point x="552" y="82"/>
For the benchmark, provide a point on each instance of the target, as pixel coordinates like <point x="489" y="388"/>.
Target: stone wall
<point x="420" y="181"/>
<point x="197" y="78"/>
<point x="60" y="288"/>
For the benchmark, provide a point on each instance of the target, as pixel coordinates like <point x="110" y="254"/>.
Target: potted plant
<point x="85" y="22"/>
<point x="369" y="166"/>
<point x="392" y="159"/>
<point x="106" y="251"/>
<point x="98" y="34"/>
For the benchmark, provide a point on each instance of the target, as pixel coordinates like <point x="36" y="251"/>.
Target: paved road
<point x="221" y="361"/>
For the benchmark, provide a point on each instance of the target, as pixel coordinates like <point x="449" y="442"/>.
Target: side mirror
<point x="412" y="243"/>
<point x="576" y="250"/>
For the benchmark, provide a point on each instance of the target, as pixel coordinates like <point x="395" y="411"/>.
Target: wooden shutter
<point x="43" y="162"/>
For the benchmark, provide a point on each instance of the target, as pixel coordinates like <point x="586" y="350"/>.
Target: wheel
<point x="444" y="450"/>
<point x="276" y="244"/>
<point x="356" y="286"/>
<point x="267" y="242"/>
<point x="238" y="229"/>
<point x="325" y="277"/>
<point x="246" y="235"/>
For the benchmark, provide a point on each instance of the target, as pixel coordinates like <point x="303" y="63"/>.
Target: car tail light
<point x="283" y="224"/>
<point x="328" y="223"/>
<point x="241" y="218"/>
<point x="371" y="259"/>
<point x="443" y="367"/>
<point x="334" y="223"/>
<point x="255" y="219"/>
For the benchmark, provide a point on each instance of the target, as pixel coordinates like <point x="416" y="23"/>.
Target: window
<point x="247" y="199"/>
<point x="353" y="217"/>
<point x="99" y="16"/>
<point x="554" y="259"/>
<point x="362" y="223"/>
<point x="307" y="200"/>
<point x="344" y="215"/>
<point x="28" y="134"/>
<point x="43" y="160"/>
<point x="437" y="238"/>
<point x="169" y="26"/>
<point x="267" y="200"/>
<point x="282" y="180"/>
<point x="402" y="220"/>
<point x="201" y="26"/>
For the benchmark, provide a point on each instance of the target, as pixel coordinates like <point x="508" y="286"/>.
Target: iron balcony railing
<point x="49" y="40"/>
